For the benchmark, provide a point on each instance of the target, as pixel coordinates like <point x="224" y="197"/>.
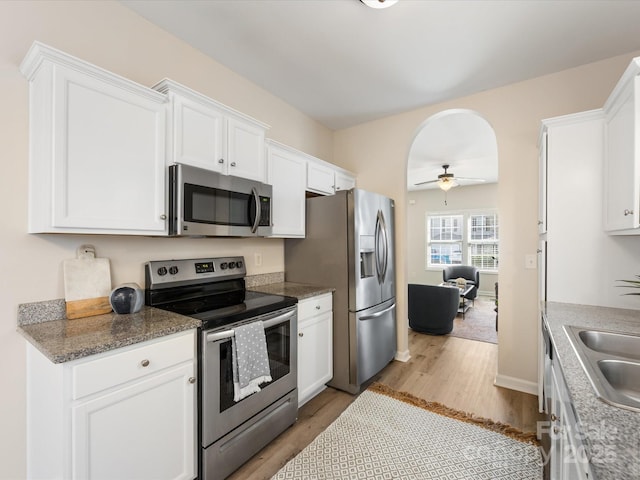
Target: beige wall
<point x="113" y="37"/>
<point x="421" y="202"/>
<point x="378" y="152"/>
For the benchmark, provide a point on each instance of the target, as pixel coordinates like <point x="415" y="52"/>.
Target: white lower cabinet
<point x="315" y="346"/>
<point x="129" y="413"/>
<point x="567" y="455"/>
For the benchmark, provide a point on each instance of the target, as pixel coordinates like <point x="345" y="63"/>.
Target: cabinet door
<point x="320" y="179"/>
<point x="622" y="174"/>
<point x="315" y="355"/>
<point x="198" y="135"/>
<point x="542" y="185"/>
<point x="144" y="431"/>
<point x="108" y="159"/>
<point x="245" y="150"/>
<point x="344" y="181"/>
<point x="287" y="175"/>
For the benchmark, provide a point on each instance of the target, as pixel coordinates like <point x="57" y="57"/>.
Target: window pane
<point x="444" y="254"/>
<point x="483" y="227"/>
<point x="484" y="255"/>
<point x="446" y="228"/>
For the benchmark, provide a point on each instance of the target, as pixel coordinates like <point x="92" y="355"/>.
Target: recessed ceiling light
<point x="379" y="3"/>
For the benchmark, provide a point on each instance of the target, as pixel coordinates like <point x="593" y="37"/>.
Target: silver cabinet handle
<point x="163" y="217"/>
<point x="553" y="417"/>
<point x="192" y="380"/>
<point x="233" y="164"/>
<point x="145" y="363"/>
<point x="221" y="160"/>
<point x="627" y="212"/>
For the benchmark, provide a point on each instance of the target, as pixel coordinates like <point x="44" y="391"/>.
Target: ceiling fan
<point x="446" y="181"/>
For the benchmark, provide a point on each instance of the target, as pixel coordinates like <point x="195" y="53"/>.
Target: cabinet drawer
<point x="310" y="307"/>
<point x="131" y="363"/>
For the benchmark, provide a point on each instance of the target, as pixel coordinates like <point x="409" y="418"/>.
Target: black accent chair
<point x="470" y="273"/>
<point x="432" y="308"/>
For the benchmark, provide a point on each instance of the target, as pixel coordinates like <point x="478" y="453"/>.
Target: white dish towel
<point x="250" y="360"/>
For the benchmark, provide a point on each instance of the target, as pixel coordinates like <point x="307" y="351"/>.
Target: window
<point x="483" y="241"/>
<point x="444" y="244"/>
<point x="467" y="238"/>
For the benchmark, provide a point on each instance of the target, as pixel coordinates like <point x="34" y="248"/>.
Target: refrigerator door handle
<point x="382" y="263"/>
<point x="378" y="314"/>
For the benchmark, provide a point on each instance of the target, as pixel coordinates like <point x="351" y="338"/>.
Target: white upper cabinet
<point x="327" y="179"/>
<point x="97" y="149"/>
<point x="320" y="178"/>
<point x="622" y="155"/>
<point x="207" y="134"/>
<point x="344" y="181"/>
<point x="287" y="174"/>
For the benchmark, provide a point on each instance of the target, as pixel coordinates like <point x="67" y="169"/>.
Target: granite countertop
<point x="65" y="340"/>
<point x="612" y="433"/>
<point x="290" y="289"/>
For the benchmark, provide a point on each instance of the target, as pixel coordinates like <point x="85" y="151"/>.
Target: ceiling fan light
<point x="447" y="184"/>
<point x="379" y="3"/>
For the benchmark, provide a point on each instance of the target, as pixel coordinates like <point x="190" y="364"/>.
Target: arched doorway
<point x="452" y="211"/>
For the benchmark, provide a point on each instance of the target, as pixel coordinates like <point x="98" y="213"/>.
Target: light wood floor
<point x="454" y="371"/>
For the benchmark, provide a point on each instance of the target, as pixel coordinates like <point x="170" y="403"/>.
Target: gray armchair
<point x="432" y="308"/>
<point x="470" y="273"/>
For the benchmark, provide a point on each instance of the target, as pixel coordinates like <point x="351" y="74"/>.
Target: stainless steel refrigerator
<point x="349" y="245"/>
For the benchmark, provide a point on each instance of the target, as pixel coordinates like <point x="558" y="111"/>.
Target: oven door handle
<point x="226" y="334"/>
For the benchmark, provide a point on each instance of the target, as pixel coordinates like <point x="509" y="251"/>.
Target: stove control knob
<point x="239" y="264"/>
<point x="232" y="264"/>
<point x="223" y="265"/>
<point x="162" y="271"/>
<point x="173" y="270"/>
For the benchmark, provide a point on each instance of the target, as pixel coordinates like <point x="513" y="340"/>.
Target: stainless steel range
<point x="213" y="290"/>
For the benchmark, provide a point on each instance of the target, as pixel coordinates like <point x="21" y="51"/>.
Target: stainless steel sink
<point x="612" y="364"/>
<point x="618" y="344"/>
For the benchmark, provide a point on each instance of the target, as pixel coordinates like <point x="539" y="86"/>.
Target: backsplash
<point x="264" y="279"/>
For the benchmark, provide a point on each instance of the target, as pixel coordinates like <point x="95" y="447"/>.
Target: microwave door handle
<point x="256" y="199"/>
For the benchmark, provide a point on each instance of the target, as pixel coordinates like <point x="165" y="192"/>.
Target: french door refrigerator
<point x="349" y="245"/>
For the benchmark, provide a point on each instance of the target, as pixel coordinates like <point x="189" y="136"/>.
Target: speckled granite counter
<point x="612" y="433"/>
<point x="289" y="289"/>
<point x="65" y="340"/>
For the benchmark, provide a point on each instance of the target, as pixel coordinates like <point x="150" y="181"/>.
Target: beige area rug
<point x="479" y="322"/>
<point x="386" y="434"/>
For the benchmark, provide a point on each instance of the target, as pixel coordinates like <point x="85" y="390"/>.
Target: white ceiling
<point x="344" y="63"/>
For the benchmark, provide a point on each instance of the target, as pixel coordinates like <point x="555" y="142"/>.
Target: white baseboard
<point x="517" y="384"/>
<point x="403" y="356"/>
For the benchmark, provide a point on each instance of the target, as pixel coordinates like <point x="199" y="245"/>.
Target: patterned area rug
<point x="385" y="434"/>
<point x="479" y="322"/>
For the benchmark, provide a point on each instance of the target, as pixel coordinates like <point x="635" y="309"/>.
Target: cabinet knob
<point x="553" y="417"/>
<point x="233" y="164"/>
<point x="627" y="212"/>
<point x="221" y="160"/>
<point x="556" y="430"/>
<point x="192" y="379"/>
<point x="317" y="307"/>
<point x="145" y="363"/>
<point x="301" y="334"/>
<point x="540" y="222"/>
<point x="163" y="217"/>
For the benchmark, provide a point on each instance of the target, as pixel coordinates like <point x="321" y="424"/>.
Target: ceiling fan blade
<point x="428" y="181"/>
<point x="470" y="179"/>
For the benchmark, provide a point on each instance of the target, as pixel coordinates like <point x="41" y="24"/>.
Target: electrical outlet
<point x="257" y="259"/>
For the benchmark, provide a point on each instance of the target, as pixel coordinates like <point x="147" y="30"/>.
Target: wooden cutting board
<point x="87" y="285"/>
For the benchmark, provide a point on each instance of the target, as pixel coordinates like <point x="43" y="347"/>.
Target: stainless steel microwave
<point x="206" y="203"/>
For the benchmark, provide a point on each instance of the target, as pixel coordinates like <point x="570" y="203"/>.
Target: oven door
<point x="220" y="414"/>
<point x="208" y="203"/>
